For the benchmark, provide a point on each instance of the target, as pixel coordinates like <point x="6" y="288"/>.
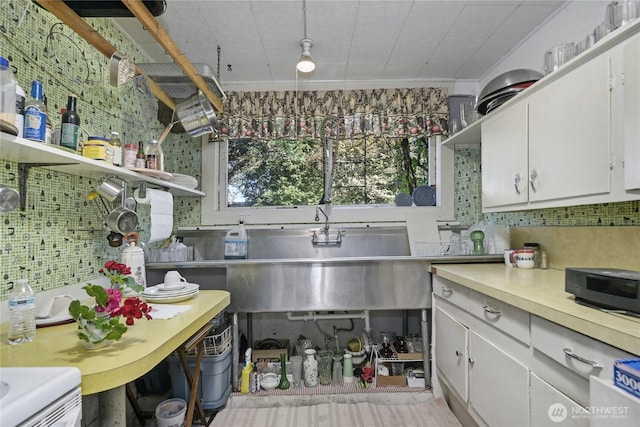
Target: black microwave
<point x="605" y="287"/>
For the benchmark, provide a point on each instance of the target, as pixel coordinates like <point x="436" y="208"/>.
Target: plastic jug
<point x="133" y="256"/>
<point x="235" y="242"/>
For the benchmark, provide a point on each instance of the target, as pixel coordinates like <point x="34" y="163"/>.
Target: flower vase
<point x="94" y="335"/>
<point x="284" y="382"/>
<point x="310" y="368"/>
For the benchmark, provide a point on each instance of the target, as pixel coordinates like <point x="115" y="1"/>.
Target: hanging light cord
<point x="304" y="13"/>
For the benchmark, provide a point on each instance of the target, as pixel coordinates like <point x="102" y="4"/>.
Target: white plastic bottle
<point x="236" y="242"/>
<point x="7" y="92"/>
<point x="22" y="313"/>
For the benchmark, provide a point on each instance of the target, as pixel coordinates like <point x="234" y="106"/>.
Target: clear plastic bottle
<point x="7" y="92"/>
<point x="22" y="313"/>
<point x="21" y="98"/>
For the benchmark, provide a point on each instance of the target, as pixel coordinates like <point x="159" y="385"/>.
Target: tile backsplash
<point x="59" y="239"/>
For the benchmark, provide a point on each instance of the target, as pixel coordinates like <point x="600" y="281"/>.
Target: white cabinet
<point x="505" y="158"/>
<point x="569" y="143"/>
<point x="550" y="407"/>
<point x="476" y="361"/>
<point x="553" y="144"/>
<point x="631" y="70"/>
<point x="451" y="351"/>
<point x="498" y="384"/>
<point x="573" y="138"/>
<point x="612" y="406"/>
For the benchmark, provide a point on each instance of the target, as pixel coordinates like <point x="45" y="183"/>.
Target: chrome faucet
<point x="326" y="222"/>
<point x="315" y="240"/>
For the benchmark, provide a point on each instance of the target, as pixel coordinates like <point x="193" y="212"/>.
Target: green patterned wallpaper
<point x="59" y="238"/>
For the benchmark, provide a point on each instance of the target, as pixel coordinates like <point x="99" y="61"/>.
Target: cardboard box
<point x="397" y="381"/>
<point x="271" y="355"/>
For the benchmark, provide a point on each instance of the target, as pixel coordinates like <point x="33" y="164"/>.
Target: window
<point x="289" y="172"/>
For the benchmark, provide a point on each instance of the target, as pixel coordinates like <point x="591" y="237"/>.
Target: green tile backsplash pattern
<point x="51" y="242"/>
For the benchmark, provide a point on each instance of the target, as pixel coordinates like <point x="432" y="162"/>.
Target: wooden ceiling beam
<point x="140" y="11"/>
<point x="68" y="17"/>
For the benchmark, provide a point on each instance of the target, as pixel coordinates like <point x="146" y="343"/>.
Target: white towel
<point x="161" y="214"/>
<point x="167" y="311"/>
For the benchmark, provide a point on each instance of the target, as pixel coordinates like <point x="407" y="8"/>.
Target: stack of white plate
<point x="163" y="294"/>
<point x="185" y="180"/>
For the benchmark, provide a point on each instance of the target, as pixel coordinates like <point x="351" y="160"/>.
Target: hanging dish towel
<point x="161" y="214"/>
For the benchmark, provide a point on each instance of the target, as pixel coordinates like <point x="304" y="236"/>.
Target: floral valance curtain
<point x="339" y="113"/>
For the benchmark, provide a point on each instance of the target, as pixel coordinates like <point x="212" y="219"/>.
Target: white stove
<point x="40" y="396"/>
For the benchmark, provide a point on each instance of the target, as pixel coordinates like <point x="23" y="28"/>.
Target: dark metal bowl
<point x="507" y="79"/>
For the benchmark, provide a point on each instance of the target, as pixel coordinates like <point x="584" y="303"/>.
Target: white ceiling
<point x="352" y="40"/>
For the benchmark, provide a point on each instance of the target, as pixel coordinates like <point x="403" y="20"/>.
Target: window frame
<point x="214" y="211"/>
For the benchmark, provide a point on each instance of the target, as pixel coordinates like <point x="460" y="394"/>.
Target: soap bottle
<point x="236" y="242"/>
<point x="246" y="372"/>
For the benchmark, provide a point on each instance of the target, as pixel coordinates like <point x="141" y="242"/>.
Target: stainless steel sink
<point x="371" y="268"/>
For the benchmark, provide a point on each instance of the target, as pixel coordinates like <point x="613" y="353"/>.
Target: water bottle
<point x="22" y="313"/>
<point x="7" y="92"/>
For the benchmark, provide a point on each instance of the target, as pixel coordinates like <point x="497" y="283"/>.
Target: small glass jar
<point x="535" y="247"/>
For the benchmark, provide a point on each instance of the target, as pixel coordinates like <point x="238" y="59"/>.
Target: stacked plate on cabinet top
<point x="185" y="180"/>
<point x="163" y="294"/>
<point x="504" y="87"/>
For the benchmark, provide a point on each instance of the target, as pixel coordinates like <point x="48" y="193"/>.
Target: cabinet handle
<point x="491" y="310"/>
<point x="471" y="362"/>
<point x="446" y="290"/>
<point x="458" y="353"/>
<point x="516" y="182"/>
<point x="593" y="363"/>
<point x="532" y="179"/>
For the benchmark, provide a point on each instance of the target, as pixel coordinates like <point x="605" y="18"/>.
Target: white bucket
<point x="170" y="413"/>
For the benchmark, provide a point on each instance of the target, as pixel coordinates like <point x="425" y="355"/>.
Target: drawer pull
<point x="458" y="353"/>
<point x="471" y="362"/>
<point x="491" y="310"/>
<point x="446" y="290"/>
<point x="592" y="363"/>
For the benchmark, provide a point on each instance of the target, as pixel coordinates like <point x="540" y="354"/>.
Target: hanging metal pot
<point x="9" y="199"/>
<point x="122" y="219"/>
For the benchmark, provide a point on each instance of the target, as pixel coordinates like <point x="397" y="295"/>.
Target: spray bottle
<point x="246" y="372"/>
<point x="236" y="242"/>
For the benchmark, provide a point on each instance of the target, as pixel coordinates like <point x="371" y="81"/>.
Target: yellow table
<point x="109" y="369"/>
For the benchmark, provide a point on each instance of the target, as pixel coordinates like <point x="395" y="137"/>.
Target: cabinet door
<point x="504" y="157"/>
<point x="451" y="351"/>
<point x="550" y="407"/>
<point x="569" y="135"/>
<point x="498" y="385"/>
<point x="631" y="114"/>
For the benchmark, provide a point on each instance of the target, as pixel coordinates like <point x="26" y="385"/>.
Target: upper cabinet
<point x="571" y="139"/>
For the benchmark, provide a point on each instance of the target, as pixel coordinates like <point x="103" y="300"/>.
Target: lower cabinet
<point x="498" y="384"/>
<point x="492" y="384"/>
<point x="550" y="407"/>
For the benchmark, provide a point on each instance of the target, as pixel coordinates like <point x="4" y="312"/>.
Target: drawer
<point x="550" y="407"/>
<point x="579" y="353"/>
<point x="507" y="318"/>
<point x="450" y="291"/>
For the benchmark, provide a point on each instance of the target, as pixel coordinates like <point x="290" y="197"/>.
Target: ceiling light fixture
<point x="306" y="64"/>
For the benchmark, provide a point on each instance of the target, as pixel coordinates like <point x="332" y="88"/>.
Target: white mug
<point x="523" y="258"/>
<point x="173" y="278"/>
<point x="507" y="257"/>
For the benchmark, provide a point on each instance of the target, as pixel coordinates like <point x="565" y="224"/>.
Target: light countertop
<point x="541" y="292"/>
<point x="142" y="347"/>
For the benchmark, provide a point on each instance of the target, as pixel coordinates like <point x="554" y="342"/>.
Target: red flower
<point x="133" y="308"/>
